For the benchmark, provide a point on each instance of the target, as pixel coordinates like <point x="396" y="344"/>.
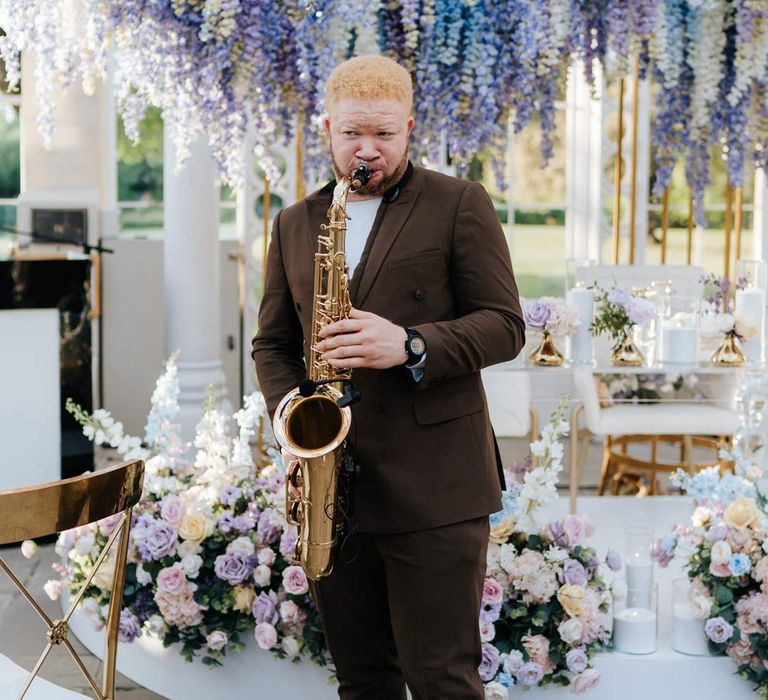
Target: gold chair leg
<point x="606" y="470"/>
<point x="576" y="463"/>
<point x="690" y="457"/>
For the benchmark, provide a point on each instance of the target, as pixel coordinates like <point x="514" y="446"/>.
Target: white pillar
<point x="760" y="219"/>
<point x="583" y="166"/>
<point x="191" y="280"/>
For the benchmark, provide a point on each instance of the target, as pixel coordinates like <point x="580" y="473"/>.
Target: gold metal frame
<point x="47" y="509"/>
<point x="617" y="178"/>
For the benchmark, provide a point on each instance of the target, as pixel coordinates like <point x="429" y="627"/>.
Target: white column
<point x="191" y="280"/>
<point x="583" y="165"/>
<point x="760" y="235"/>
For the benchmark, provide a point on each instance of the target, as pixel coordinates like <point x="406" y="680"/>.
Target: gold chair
<point x="47" y="509"/>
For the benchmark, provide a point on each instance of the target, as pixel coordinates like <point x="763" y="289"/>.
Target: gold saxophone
<point x="312" y="421"/>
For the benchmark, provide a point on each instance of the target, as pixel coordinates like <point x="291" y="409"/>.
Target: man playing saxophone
<point x="433" y="301"/>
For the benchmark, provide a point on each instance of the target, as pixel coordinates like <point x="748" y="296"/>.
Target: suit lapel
<point x="391" y="223"/>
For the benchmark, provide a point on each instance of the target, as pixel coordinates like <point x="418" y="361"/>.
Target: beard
<point x="387" y="182"/>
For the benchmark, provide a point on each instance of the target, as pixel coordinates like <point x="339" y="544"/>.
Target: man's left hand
<point x="363" y="340"/>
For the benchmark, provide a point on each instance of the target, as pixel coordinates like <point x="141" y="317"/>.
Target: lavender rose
<point x="489" y="663"/>
<point x="130" y="628"/>
<point x="233" y="567"/>
<point x="537" y="315"/>
<point x="288" y="543"/>
<point x="620" y="297"/>
<point x="640" y="311"/>
<point x="613" y="560"/>
<point x="574" y="573"/>
<point x="265" y="609"/>
<point x="576" y="660"/>
<point x="269" y="526"/>
<point x="716" y="533"/>
<point x="718" y="630"/>
<point x="160" y="540"/>
<point x="530" y="673"/>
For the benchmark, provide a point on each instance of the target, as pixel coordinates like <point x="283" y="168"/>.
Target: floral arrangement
<point x="545" y="600"/>
<point x="646" y="388"/>
<point x="725" y="552"/>
<point x="718" y="316"/>
<point x="551" y="316"/>
<point x="618" y="312"/>
<point x="218" y="67"/>
<point x="209" y="558"/>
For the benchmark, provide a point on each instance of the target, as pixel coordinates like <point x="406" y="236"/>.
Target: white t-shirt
<point x="362" y="214"/>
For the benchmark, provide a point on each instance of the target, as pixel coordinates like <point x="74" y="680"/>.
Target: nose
<point x="367" y="150"/>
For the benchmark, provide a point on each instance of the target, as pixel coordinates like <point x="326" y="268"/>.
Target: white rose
<point x="266" y="556"/>
<point x="195" y="527"/>
<point x="93" y="612"/>
<point x="619" y="589"/>
<point x="701" y="516"/>
<point x="105" y="574"/>
<point x="721" y="552"/>
<point x="85" y="544"/>
<point x="53" y="588"/>
<point x="262" y="575"/>
<point x="142" y="575"/>
<point x="291" y="647"/>
<point x="191" y="564"/>
<point x="570" y="630"/>
<point x="555" y="554"/>
<point x="29" y="548"/>
<point x="242" y="544"/>
<point x="188" y="547"/>
<point x="487" y="631"/>
<point x="513" y="661"/>
<point x="155" y="625"/>
<point x="495" y="691"/>
<point x="702" y="606"/>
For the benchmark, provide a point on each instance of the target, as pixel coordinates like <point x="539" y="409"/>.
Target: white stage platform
<point x="662" y="675"/>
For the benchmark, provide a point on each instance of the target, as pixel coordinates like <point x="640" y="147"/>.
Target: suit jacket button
<point x="419" y="294"/>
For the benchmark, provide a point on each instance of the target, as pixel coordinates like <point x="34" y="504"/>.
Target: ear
<point x="327" y="125"/>
<point x="409" y="125"/>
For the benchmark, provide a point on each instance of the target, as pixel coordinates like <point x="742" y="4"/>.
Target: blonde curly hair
<point x="369" y="77"/>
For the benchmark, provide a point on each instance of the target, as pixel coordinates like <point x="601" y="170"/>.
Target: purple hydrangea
<point x="269" y="527"/>
<point x="243" y="523"/>
<point x="229" y="495"/>
<point x="226" y="520"/>
<point x="288" y="543"/>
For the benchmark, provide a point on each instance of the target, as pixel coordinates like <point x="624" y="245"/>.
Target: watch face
<point x="418" y="346"/>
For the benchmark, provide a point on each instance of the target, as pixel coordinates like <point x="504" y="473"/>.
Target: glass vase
<point x="625" y="353"/>
<point x="728" y="353"/>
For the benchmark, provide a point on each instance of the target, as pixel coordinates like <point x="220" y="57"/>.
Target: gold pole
<point x="728" y="207"/>
<point x="689" y="242"/>
<point x="633" y="175"/>
<point x="737" y="218"/>
<point x="301" y="190"/>
<point x="617" y="177"/>
<point x="664" y="224"/>
<point x="265" y="214"/>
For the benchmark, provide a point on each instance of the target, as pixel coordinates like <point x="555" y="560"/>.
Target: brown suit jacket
<point x="435" y="260"/>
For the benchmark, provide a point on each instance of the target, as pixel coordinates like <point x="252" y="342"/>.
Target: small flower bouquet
<point x="550" y="316"/>
<point x="545" y="606"/>
<point x="718" y="319"/>
<point x="618" y="312"/>
<point x="210" y="550"/>
<point x="725" y="552"/>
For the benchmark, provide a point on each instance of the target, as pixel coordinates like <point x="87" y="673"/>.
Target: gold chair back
<point x="47" y="509"/>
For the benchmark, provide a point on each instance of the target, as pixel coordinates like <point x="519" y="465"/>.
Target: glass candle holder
<point x="750" y="306"/>
<point x="688" y="636"/>
<point x="678" y="326"/>
<point x="639" y="565"/>
<point x="579" y="272"/>
<point x="635" y="623"/>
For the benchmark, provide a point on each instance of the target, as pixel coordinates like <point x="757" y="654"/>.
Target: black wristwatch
<point x="415" y="347"/>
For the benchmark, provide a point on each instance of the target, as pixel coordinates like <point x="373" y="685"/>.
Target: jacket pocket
<point x="429" y="409"/>
<point x="423" y="258"/>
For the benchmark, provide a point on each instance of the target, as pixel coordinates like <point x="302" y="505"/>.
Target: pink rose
<point x="487" y="631"/>
<point x="295" y="580"/>
<point x="575" y="530"/>
<point x="720" y="570"/>
<point x="266" y="635"/>
<point x="289" y="612"/>
<point x="493" y="593"/>
<point x="585" y="681"/>
<point x="266" y="556"/>
<point x="537" y="646"/>
<point x="172" y="510"/>
<point x="171" y="579"/>
<point x="217" y="640"/>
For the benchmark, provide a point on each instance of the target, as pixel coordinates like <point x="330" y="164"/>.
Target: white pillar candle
<point x="750" y="303"/>
<point x="634" y="631"/>
<point x="679" y="344"/>
<point x="583" y="300"/>
<point x="688" y="636"/>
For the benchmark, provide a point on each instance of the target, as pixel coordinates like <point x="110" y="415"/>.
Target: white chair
<point x="684" y="278"/>
<point x="624" y="424"/>
<point x="508" y="391"/>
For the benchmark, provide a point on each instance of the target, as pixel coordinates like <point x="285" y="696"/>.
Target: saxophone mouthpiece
<point x="361" y="176"/>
